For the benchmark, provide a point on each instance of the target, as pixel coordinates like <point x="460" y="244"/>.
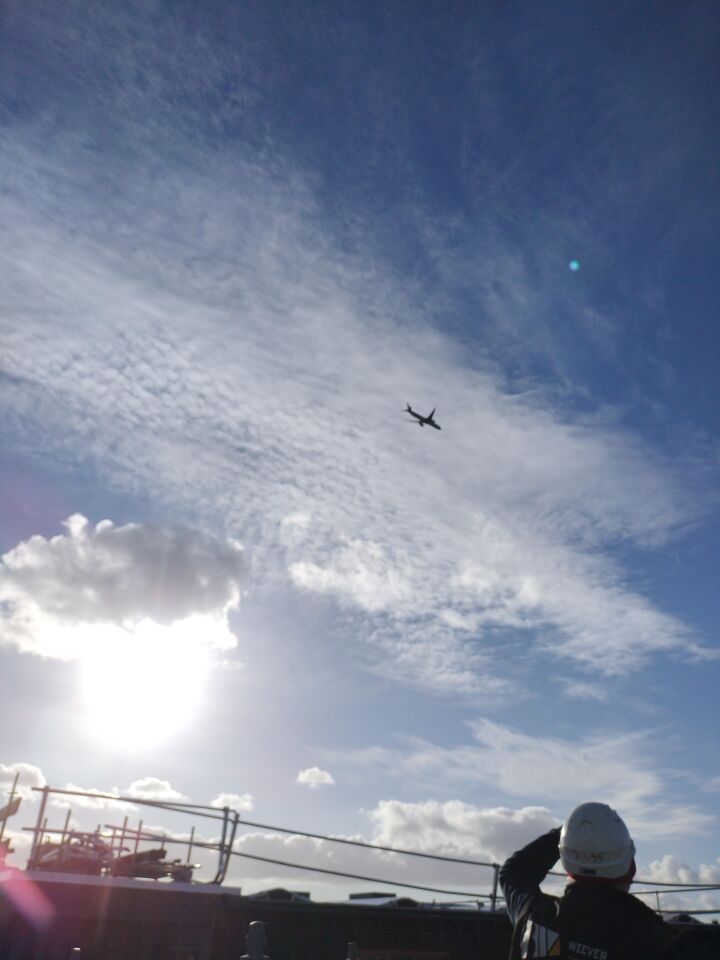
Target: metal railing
<point x="117" y="837"/>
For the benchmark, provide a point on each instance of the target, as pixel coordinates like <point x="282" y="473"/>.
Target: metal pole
<point x="41" y="814"/>
<point x="493" y="895"/>
<point x="137" y="836"/>
<point x="11" y="797"/>
<point x="352" y="951"/>
<point x="65" y="826"/>
<point x="190" y="844"/>
<point x="223" y="856"/>
<point x="228" y="847"/>
<point x="122" y="835"/>
<point x="62" y="850"/>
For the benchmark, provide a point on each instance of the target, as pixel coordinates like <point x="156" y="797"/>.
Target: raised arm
<point x="523" y="872"/>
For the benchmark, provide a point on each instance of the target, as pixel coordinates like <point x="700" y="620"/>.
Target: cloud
<point x="579" y="690"/>
<point x="324" y="854"/>
<point x="152" y="788"/>
<point x="616" y="769"/>
<point x="314" y="777"/>
<point x="59" y="591"/>
<point x="211" y="336"/>
<point x="450" y="828"/>
<point x="455" y="828"/>
<point x="29" y="776"/>
<point x="438" y="656"/>
<point x="671" y="869"/>
<point x="242" y="802"/>
<point x="546" y="488"/>
<point x="293" y="528"/>
<point x="91" y="802"/>
<point x="360" y="570"/>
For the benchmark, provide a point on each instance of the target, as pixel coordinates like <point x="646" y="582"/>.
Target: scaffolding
<point x="115" y="850"/>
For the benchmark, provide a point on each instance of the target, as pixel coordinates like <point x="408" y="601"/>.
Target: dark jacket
<point x="591" y="921"/>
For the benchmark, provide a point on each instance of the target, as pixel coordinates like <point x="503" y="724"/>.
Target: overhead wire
<point x="368" y="846"/>
<point x="356" y="876"/>
<point x="689" y="887"/>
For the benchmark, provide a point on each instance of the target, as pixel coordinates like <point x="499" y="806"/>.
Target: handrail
<point x="435" y="856"/>
<point x="231" y="820"/>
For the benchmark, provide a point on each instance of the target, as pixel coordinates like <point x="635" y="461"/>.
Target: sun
<point x="141" y="686"/>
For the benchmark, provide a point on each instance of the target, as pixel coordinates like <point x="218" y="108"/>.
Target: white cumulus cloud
<point x="28" y="776"/>
<point x="65" y="593"/>
<point x="314" y="777"/>
<point x="242" y="802"/>
<point x="152" y="788"/>
<point x="92" y="801"/>
<point x="455" y="828"/>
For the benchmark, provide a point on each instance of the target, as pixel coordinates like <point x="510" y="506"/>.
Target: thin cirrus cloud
<point x="205" y="341"/>
<point x="564" y="773"/>
<point x="170" y="380"/>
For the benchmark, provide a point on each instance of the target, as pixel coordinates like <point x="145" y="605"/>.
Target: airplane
<point x="421" y="421"/>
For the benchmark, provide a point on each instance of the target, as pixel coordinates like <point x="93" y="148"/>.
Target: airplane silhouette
<point x="420" y="420"/>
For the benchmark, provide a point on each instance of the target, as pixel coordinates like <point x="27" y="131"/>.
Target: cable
<point x="690" y="913"/>
<point x="356" y="876"/>
<point x="676" y="889"/>
<point x="455" y="893"/>
<point x="368" y="846"/>
<point x="437" y="856"/>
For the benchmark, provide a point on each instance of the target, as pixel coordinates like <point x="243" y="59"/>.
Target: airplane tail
<point x="408" y="408"/>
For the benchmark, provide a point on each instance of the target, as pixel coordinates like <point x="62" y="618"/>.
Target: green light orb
<point x="574" y="265"/>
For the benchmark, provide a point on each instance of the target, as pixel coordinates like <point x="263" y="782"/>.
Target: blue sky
<point x="236" y="241"/>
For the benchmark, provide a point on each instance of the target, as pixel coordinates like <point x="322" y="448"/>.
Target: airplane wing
<point x="431" y="414"/>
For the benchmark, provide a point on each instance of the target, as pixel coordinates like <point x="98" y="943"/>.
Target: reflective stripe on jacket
<point x="590" y="921"/>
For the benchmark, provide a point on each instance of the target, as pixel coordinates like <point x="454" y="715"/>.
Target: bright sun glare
<point x="142" y="686"/>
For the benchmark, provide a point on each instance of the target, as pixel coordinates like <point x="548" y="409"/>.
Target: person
<point x="596" y="918"/>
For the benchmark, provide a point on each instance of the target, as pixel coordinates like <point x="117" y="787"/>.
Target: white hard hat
<point x="594" y="842"/>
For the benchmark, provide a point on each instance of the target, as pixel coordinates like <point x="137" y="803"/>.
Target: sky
<point x="236" y="240"/>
